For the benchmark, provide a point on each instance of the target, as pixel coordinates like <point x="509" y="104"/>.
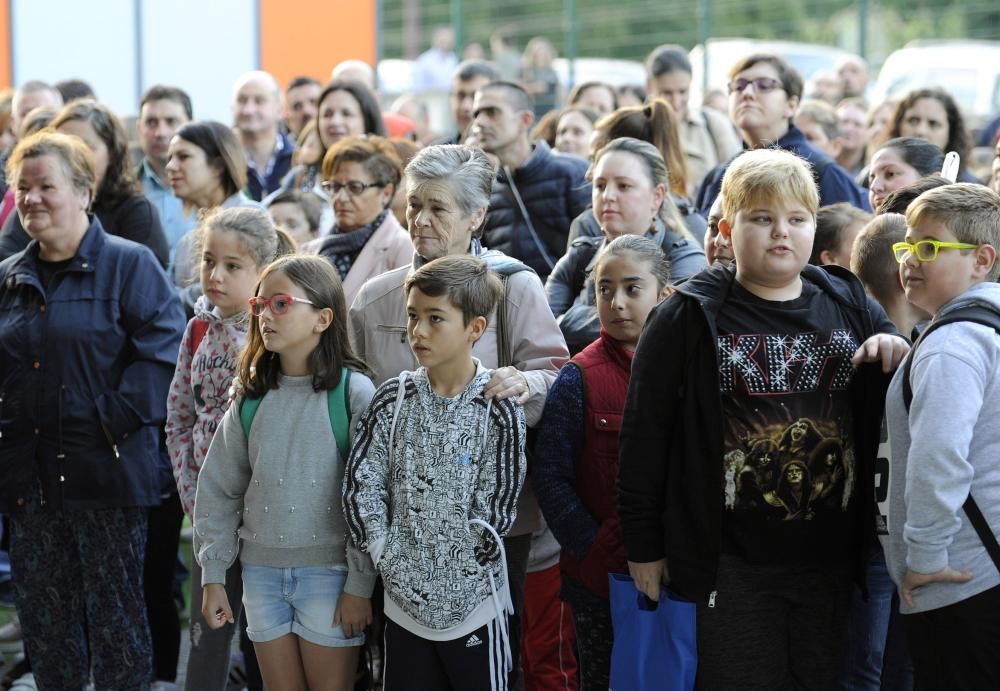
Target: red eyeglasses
<point x="278" y="304"/>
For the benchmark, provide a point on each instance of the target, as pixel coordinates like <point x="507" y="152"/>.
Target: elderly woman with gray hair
<point x="447" y="194"/>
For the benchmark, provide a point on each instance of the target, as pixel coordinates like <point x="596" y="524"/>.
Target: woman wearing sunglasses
<point x="361" y="175"/>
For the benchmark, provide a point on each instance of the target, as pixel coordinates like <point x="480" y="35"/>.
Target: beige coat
<point x="388" y="247"/>
<point x="708" y="139"/>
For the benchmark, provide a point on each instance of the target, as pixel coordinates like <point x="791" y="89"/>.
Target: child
<point x="836" y="227"/>
<point x="748" y="439"/>
<point x="819" y="124"/>
<point x="269" y="492"/>
<point x="236" y="244"/>
<point x="433" y="483"/>
<point x="577" y="451"/>
<point x="945" y="450"/>
<point x="298" y="212"/>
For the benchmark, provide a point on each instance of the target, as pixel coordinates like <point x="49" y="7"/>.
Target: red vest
<point x="605" y="367"/>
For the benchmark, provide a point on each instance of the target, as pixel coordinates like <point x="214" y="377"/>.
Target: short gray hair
<point x="468" y="172"/>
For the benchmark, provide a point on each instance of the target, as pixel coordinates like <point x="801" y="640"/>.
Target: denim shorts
<point x="297" y="600"/>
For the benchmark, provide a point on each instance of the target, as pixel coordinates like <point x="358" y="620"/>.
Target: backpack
<point x="987" y="316"/>
<point x="340" y="413"/>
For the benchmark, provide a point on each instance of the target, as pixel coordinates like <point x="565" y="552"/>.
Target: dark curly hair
<point x="958" y="135"/>
<point x="119" y="182"/>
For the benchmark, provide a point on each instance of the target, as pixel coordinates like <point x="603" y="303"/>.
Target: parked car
<point x="807" y="58"/>
<point x="968" y="70"/>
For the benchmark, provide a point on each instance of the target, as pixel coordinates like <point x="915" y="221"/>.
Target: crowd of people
<point x="418" y="394"/>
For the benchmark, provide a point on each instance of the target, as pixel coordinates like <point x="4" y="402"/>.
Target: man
<point x="536" y="194"/>
<point x="853" y="73"/>
<point x="764" y="93"/>
<point x="707" y="136"/>
<point x="433" y="68"/>
<point x="468" y="78"/>
<point x="355" y="70"/>
<point x="257" y="111"/>
<point x="162" y="111"/>
<point x="31" y="95"/>
<point x="303" y="100"/>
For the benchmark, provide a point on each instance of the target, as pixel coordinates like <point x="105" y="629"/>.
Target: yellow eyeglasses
<point x="926" y="250"/>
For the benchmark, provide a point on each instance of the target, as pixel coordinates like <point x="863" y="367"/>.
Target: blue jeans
<point x="868" y="624"/>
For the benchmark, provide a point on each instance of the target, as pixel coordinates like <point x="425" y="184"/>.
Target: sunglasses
<point x="926" y="250"/>
<point x="761" y="85"/>
<point x="278" y="304"/>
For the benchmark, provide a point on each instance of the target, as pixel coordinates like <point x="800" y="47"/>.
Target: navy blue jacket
<point x="554" y="191"/>
<point x="85" y="368"/>
<point x="260" y="185"/>
<point x="835" y="183"/>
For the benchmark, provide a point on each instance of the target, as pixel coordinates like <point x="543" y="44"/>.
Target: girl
<point x="898" y="163"/>
<point x="236" y="245"/>
<point x="577" y="448"/>
<point x="270" y="489"/>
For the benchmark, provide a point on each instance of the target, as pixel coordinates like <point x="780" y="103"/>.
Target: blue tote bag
<point x="655" y="647"/>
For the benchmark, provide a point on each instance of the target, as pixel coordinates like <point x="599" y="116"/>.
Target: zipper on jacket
<point x="711" y="598"/>
<point x="111" y="440"/>
<point x="60" y="455"/>
<point x="1" y="415"/>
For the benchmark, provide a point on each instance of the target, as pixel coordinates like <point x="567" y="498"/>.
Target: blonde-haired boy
<point x="749" y="439"/>
<point x="946" y="446"/>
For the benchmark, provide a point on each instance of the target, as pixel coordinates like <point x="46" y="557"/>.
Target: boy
<point x="434" y="461"/>
<point x="947" y="447"/>
<point x="836" y="227"/>
<point x="749" y="438"/>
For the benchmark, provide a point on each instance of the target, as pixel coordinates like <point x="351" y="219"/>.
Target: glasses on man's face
<point x="926" y="250"/>
<point x="278" y="304"/>
<point x="355" y="188"/>
<point x="761" y="85"/>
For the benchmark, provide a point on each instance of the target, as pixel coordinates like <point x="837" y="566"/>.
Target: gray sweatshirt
<point x="948" y="445"/>
<point x="281" y="492"/>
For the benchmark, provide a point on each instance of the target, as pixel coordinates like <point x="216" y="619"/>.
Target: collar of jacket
<point x="26" y="267"/>
<point x="540" y="153"/>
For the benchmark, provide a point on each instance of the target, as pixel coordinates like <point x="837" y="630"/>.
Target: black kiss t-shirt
<point x="789" y="470"/>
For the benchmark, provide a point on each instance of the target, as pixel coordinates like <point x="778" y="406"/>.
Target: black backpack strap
<point x="979" y="314"/>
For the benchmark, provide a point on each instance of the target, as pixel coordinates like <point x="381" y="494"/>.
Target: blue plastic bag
<point x="655" y="647"/>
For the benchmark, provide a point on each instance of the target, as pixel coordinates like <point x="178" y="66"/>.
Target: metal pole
<point x="570" y="18"/>
<point x="458" y="25"/>
<point x="704" y="32"/>
<point x="863" y="29"/>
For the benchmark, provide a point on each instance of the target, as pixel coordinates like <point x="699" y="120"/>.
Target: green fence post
<point x="570" y="17"/>
<point x="458" y="25"/>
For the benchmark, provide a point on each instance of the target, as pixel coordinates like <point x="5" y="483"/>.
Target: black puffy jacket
<point x="553" y="190"/>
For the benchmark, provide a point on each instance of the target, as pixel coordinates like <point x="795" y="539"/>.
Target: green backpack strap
<point x="248" y="408"/>
<point x="340" y="413"/>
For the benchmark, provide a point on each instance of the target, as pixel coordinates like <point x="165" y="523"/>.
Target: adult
<point x="361" y="176"/>
<point x="89" y="331"/>
<point x="599" y="97"/>
<point x="764" y="92"/>
<point x="851" y="125"/>
<point x="574" y="128"/>
<point x="258" y="107"/>
<point x="302" y="101"/>
<point x="118" y="202"/>
<point x="162" y="111"/>
<point x="448" y="192"/>
<point x="468" y="78"/>
<point x="206" y="168"/>
<point x="707" y="136"/>
<point x="630" y="197"/>
<point x="655" y="123"/>
<point x="933" y="115"/>
<point x="536" y="194"/>
<point x="30" y="95"/>
<point x="355" y="71"/>
<point x="898" y="163"/>
<point x="432" y="69"/>
<point x="505" y="55"/>
<point x="853" y="73"/>
<point x="75" y="90"/>
<point x="538" y="75"/>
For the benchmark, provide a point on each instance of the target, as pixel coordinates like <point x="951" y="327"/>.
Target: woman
<point x="933" y="115"/>
<point x="360" y="176"/>
<point x="119" y="202"/>
<point x="574" y="128"/>
<point x="448" y="190"/>
<point x="89" y="333"/>
<point x="206" y="168"/>
<point x="539" y="77"/>
<point x="599" y="97"/>
<point x="898" y="163"/>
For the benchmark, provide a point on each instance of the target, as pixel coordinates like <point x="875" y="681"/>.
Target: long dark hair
<point x="119" y="183"/>
<point x="371" y="113"/>
<point x="258" y="367"/>
<point x="221" y="147"/>
<point x="958" y="136"/>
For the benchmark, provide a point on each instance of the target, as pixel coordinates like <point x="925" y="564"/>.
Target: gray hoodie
<point x="275" y="498"/>
<point x="947" y="446"/>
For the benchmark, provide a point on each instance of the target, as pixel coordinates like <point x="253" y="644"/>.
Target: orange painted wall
<point x="309" y="37"/>
<point x="6" y="76"/>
